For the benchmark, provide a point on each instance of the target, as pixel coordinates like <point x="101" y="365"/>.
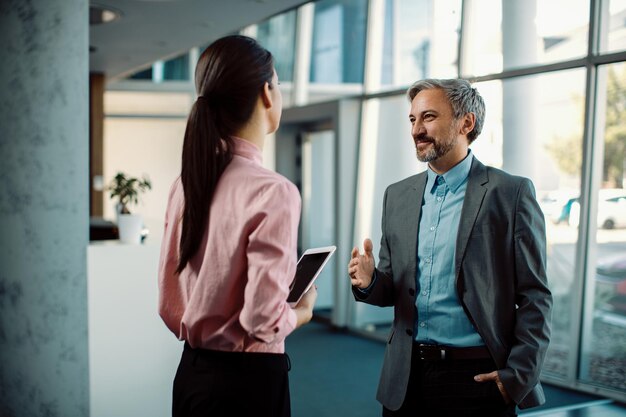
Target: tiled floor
<point x="335" y="373"/>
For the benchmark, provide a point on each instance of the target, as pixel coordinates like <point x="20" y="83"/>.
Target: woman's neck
<point x="255" y="130"/>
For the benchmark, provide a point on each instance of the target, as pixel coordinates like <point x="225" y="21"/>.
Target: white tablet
<point x="309" y="267"/>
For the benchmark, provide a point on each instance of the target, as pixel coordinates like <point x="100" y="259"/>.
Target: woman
<point x="229" y="249"/>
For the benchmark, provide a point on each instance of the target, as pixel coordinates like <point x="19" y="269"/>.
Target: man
<point x="462" y="261"/>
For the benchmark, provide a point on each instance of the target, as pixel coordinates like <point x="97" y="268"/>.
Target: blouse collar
<point x="247" y="149"/>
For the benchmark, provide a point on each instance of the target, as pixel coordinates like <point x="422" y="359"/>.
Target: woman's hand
<point x="304" y="308"/>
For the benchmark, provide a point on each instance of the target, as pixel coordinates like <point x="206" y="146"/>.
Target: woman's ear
<point x="266" y="96"/>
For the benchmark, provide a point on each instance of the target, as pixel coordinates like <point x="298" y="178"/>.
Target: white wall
<point x="141" y="146"/>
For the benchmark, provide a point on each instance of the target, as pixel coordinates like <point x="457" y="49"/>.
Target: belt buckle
<point x="431" y="353"/>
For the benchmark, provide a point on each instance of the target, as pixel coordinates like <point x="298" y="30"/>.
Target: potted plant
<point x="126" y="191"/>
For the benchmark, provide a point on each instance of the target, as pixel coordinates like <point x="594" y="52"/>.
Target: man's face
<point x="434" y="129"/>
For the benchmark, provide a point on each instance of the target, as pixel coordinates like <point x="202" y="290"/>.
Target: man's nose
<point x="417" y="129"/>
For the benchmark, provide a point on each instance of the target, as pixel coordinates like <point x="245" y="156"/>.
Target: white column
<point x="302" y="59"/>
<point x="520" y="108"/>
<point x="374" y="45"/>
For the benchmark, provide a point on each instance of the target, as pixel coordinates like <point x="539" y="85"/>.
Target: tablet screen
<point x="308" y="267"/>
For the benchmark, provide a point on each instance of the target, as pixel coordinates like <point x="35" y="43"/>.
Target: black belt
<point x="439" y="353"/>
<point x="240" y="360"/>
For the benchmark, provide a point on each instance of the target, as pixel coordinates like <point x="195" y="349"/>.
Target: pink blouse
<point x="232" y="295"/>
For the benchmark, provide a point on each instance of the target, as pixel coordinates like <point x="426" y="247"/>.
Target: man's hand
<point x="361" y="267"/>
<point x="493" y="376"/>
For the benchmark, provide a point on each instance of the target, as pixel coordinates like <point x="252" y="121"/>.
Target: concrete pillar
<point x="44" y="208"/>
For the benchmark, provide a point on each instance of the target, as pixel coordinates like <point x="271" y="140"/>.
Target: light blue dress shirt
<point x="440" y="316"/>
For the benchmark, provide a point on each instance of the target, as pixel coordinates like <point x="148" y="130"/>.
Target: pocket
<point x="497" y="394"/>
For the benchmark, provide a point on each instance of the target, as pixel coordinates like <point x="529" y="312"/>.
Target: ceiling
<point x="149" y="30"/>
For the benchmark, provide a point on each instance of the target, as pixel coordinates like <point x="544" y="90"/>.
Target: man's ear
<point x="266" y="96"/>
<point x="467" y="123"/>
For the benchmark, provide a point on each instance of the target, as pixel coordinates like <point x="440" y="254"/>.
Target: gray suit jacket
<point x="500" y="278"/>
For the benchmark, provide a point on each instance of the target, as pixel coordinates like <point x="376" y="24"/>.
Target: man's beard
<point x="439" y="148"/>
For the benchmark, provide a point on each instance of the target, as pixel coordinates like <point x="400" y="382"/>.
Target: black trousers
<point x="446" y="388"/>
<point x="217" y="383"/>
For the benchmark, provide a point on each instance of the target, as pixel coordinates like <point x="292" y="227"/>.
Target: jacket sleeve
<point x="533" y="298"/>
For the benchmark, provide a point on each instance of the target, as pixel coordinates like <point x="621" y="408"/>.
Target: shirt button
<point x="409" y="332"/>
<point x="432" y="228"/>
<point x="422" y="324"/>
<point x="427" y="260"/>
<point x="438" y="198"/>
<point x="424" y="292"/>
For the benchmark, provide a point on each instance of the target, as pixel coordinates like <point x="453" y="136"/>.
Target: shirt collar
<point x="247" y="149"/>
<point x="454" y="177"/>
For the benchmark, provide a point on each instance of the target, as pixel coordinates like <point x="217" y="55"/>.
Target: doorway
<point x="317" y="225"/>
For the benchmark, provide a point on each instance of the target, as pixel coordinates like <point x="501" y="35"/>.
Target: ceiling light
<point x="100" y="14"/>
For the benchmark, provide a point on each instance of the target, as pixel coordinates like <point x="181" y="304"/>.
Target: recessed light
<point x="99" y="14"/>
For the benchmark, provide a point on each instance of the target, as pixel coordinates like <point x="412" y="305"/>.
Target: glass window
<point x="500" y="35"/>
<point x="142" y="75"/>
<point x="278" y="36"/>
<point x="338" y="49"/>
<point x="525" y="135"/>
<point x="176" y="69"/>
<point x="488" y="146"/>
<point x="603" y="360"/>
<point x="613" y="26"/>
<point x="420" y="40"/>
<point x="387" y="155"/>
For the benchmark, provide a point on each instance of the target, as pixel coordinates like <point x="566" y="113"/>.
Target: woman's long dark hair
<point x="230" y="75"/>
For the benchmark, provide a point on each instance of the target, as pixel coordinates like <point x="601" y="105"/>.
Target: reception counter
<point x="132" y="355"/>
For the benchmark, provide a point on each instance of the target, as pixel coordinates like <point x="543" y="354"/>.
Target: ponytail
<point x="230" y="74"/>
<point x="204" y="159"/>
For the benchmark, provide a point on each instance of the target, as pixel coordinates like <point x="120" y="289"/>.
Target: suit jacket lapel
<point x="413" y="215"/>
<point x="474" y="195"/>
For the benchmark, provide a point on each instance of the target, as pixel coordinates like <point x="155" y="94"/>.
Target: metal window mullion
<point x="582" y="245"/>
<point x="460" y="65"/>
<point x="158" y="71"/>
<point x="194" y="55"/>
<point x="591" y="175"/>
